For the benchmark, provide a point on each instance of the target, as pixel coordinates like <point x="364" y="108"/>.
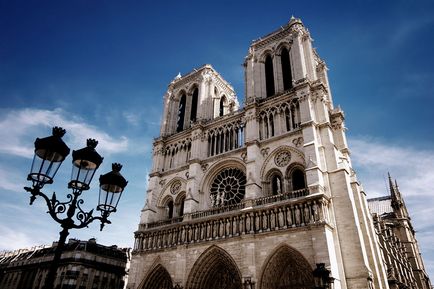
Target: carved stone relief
<point x="282" y="158"/>
<point x="175" y="188"/>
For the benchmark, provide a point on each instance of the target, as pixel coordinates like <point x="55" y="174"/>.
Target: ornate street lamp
<point x="50" y="152"/>
<point x="322" y="277"/>
<point x="248" y="283"/>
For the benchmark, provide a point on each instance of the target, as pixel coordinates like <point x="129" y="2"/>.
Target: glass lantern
<point x="85" y="162"/>
<point x="50" y="152"/>
<point x="112" y="185"/>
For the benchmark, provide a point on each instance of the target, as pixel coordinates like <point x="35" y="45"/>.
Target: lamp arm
<point x="90" y="220"/>
<point x="85" y="218"/>
<point x="55" y="207"/>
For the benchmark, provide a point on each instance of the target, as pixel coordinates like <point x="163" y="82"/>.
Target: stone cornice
<point x="199" y="74"/>
<point x="295" y="26"/>
<point x="281" y="136"/>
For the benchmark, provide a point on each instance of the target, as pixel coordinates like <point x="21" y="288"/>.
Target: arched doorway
<point x="286" y="268"/>
<point x="158" y="278"/>
<point x="215" y="269"/>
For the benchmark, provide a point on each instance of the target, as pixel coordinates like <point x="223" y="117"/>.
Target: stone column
<point x="278" y="77"/>
<point x="298" y="59"/>
<point x="165" y="121"/>
<point x="253" y="157"/>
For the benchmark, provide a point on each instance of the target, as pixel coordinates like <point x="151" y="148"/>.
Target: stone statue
<point x="280" y="217"/>
<point x="297" y="215"/>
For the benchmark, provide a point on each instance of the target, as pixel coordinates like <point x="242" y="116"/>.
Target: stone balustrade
<point x="259" y="218"/>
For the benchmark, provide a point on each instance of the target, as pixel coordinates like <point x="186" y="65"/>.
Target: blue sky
<point x="101" y="68"/>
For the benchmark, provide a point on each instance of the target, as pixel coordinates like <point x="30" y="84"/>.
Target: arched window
<point x="181" y="114"/>
<point x="269" y="75"/>
<point x="181" y="207"/>
<point x="271" y="117"/>
<point x="286" y="69"/>
<point x="169" y="208"/>
<point x="295" y="115"/>
<point x="287" y="119"/>
<point x="194" y="98"/>
<point x="222" y="105"/>
<point x="276" y="185"/>
<point x="298" y="181"/>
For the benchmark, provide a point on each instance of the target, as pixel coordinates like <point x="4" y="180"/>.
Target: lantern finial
<point x="116" y="167"/>
<point x="92" y="143"/>
<point x="58" y="131"/>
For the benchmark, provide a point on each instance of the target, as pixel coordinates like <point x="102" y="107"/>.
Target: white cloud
<point x="11" y="181"/>
<point x="414" y="170"/>
<point x="13" y="239"/>
<point x="20" y="127"/>
<point x="132" y="118"/>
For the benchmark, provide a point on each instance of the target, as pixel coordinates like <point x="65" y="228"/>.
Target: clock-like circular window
<point x="228" y="187"/>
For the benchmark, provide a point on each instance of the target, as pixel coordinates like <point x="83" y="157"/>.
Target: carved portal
<point x="158" y="278"/>
<point x="287" y="269"/>
<point x="214" y="269"/>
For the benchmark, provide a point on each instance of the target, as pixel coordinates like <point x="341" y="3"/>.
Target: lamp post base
<point x="51" y="276"/>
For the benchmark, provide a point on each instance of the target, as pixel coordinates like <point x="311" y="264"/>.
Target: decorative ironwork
<point x="50" y="152"/>
<point x="228" y="187"/>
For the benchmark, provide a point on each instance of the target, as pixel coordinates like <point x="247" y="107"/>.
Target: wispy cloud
<point x="414" y="170"/>
<point x="12" y="239"/>
<point x="10" y="180"/>
<point x="18" y="126"/>
<point x="132" y="118"/>
<point x="407" y="28"/>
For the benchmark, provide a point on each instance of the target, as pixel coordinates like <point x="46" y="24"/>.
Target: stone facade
<point x="401" y="255"/>
<point x="83" y="265"/>
<point x="256" y="197"/>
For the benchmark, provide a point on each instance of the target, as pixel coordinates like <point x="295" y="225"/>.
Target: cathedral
<point x="265" y="196"/>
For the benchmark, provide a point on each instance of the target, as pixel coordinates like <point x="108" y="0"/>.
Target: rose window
<point x="228" y="187"/>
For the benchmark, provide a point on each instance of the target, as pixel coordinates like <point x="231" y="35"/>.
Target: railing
<point x="283" y="216"/>
<point x="281" y="197"/>
<point x="165" y="222"/>
<point x="218" y="210"/>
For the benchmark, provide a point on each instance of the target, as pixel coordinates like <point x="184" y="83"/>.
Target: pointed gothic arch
<point x="286" y="68"/>
<point x="286" y="268"/>
<point x="222" y="105"/>
<point x="274" y="182"/>
<point x="157" y="278"/>
<point x="214" y="269"/>
<point x="181" y="113"/>
<point x="269" y="76"/>
<point x="296" y="176"/>
<point x="179" y="203"/>
<point x="194" y="101"/>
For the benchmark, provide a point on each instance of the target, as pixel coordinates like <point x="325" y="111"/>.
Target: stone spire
<point x="394" y="193"/>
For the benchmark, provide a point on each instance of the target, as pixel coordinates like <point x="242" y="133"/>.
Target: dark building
<point x="83" y="265"/>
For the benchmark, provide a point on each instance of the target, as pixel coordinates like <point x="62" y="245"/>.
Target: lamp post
<point x="50" y="152"/>
<point x="322" y="277"/>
